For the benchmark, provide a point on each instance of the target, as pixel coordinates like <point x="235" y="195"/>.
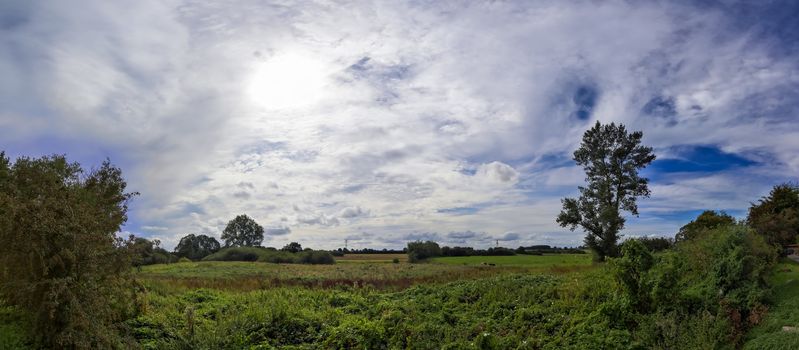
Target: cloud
<point x="436" y="117"/>
<point x="277" y="231"/>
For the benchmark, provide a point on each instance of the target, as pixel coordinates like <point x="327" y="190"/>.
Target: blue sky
<point x="381" y="122"/>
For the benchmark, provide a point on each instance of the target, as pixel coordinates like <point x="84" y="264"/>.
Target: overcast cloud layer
<point x="452" y="121"/>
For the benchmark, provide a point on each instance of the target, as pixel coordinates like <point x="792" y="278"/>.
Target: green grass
<point x="540" y="261"/>
<point x="784" y="312"/>
<point x="246" y="276"/>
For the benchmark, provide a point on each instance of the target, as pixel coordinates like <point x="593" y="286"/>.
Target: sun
<point x="288" y="81"/>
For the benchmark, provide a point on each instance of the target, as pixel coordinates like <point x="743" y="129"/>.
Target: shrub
<point x="184" y="260"/>
<point x="395" y="261"/>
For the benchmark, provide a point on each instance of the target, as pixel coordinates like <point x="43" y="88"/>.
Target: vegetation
<point x="611" y="158"/>
<point x="243" y="231"/>
<point x="771" y="332"/>
<point x="776" y="216"/>
<point x="272" y="256"/>
<point x="703" y="223"/>
<point x="196" y="247"/>
<point x="420" y="251"/>
<point x="146" y="252"/>
<point x="61" y="261"/>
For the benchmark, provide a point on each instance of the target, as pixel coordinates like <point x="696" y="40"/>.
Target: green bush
<point x="184" y="260"/>
<point x="704" y="294"/>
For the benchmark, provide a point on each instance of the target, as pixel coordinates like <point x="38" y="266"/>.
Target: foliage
<point x="243" y="231"/>
<point x="272" y="256"/>
<point x="656" y="244"/>
<point x="718" y="277"/>
<point x="419" y="251"/>
<point x="611" y="158"/>
<point x="769" y="334"/>
<point x="61" y="259"/>
<point x="776" y="216"/>
<point x="706" y="221"/>
<point x="292" y="247"/>
<point x="469" y="251"/>
<point x="196" y="247"/>
<point x="145" y="252"/>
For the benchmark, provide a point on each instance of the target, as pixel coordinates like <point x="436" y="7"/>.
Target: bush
<point x="716" y="281"/>
<point x="395" y="261"/>
<point x="184" y="260"/>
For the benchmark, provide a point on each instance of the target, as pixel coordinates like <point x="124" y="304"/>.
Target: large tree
<point x="776" y="216"/>
<point x="196" y="247"/>
<point x="611" y="158"/>
<point x="60" y="257"/>
<point x="243" y="231"/>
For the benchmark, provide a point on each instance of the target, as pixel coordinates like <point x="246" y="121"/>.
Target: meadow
<point x="374" y="270"/>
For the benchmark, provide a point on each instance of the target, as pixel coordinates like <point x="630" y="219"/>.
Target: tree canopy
<point x="776" y="216"/>
<point x="196" y="247"/>
<point x="60" y="257"/>
<point x="292" y="247"/>
<point x="243" y="231"/>
<point x="705" y="222"/>
<point x="611" y="158"/>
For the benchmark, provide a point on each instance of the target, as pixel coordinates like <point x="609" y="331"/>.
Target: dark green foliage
<point x="776" y="216"/>
<point x="243" y="231"/>
<point x="469" y="251"/>
<point x="611" y="158"/>
<point x="706" y="221"/>
<point x="196" y="247"/>
<point x="292" y="247"/>
<point x="419" y="251"/>
<point x="656" y="244"/>
<point x="314" y="257"/>
<point x="144" y="252"/>
<point x="60" y="257"/>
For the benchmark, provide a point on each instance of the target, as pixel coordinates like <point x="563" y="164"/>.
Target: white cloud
<point x="427" y="106"/>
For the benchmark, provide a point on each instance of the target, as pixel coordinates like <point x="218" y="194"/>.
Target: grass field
<point x="538" y="261"/>
<point x="784" y="313"/>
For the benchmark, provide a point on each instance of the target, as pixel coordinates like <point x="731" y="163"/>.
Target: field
<point x="375" y="270"/>
<point x="532" y="261"/>
<point x="361" y="302"/>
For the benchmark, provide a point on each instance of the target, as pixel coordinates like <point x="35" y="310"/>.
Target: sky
<point x="383" y="122"/>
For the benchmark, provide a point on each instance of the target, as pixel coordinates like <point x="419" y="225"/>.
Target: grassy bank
<point x="784" y="312"/>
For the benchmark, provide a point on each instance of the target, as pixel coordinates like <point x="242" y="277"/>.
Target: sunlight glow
<point x="288" y="81"/>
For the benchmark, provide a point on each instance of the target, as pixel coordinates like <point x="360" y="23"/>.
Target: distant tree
<point x="243" y="232"/>
<point x="292" y="247"/>
<point x="146" y="252"/>
<point x="60" y="258"/>
<point x="776" y="216"/>
<point x="703" y="223"/>
<point x="611" y="158"/>
<point x="196" y="247"/>
<point x="656" y="244"/>
<point x="418" y="250"/>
